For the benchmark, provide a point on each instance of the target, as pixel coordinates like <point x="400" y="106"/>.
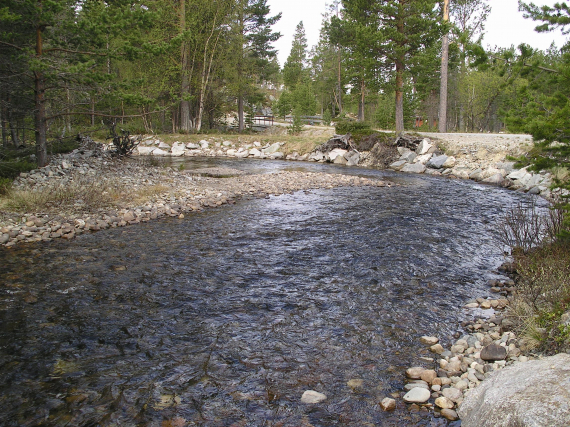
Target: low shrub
<point x="347" y="126"/>
<point x="542" y="263"/>
<point x="11" y="169"/>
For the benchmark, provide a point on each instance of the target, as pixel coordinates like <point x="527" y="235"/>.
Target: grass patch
<point x="543" y="297"/>
<point x="90" y="195"/>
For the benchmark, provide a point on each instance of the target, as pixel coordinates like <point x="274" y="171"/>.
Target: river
<point x="225" y="317"/>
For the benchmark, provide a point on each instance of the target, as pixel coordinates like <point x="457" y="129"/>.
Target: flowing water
<point x="226" y="317"/>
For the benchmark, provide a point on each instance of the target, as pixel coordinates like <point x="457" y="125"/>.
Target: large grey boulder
<point x="352" y="158"/>
<point x="273" y="148"/>
<point x="425" y="147"/>
<point x="337" y="152"/>
<point x="414" y="168"/>
<point x="530" y="394"/>
<point x="144" y="151"/>
<point x="398" y="165"/>
<point x="437" y="162"/>
<point x="177" y="149"/>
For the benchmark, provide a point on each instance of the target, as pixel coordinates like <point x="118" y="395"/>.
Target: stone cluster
<point x="151" y="146"/>
<point x="428" y="159"/>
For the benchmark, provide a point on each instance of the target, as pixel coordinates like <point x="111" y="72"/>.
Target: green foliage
<point x="293" y="70"/>
<point x="327" y="117"/>
<point x="348" y="126"/>
<point x="301" y="100"/>
<point x="63" y="145"/>
<point x="297" y="125"/>
<point x="12" y="169"/>
<point x="5" y="184"/>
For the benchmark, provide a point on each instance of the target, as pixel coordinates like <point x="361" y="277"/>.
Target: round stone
<point x="429" y="340"/>
<point x="415" y="372"/>
<point x="417" y="395"/>
<point x="449" y="414"/>
<point x="428" y="375"/>
<point x="437" y="349"/>
<point x="312" y="396"/>
<point x="444" y="403"/>
<point x="388" y="404"/>
<point x="452" y="393"/>
<point x="355" y="383"/>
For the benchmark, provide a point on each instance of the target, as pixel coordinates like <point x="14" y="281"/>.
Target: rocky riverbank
<point x="465" y="380"/>
<point x="128" y="192"/>
<point x="476" y="157"/>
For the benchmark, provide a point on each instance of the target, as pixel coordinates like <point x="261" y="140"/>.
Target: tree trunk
<point x="399" y="97"/>
<point x="361" y="103"/>
<point x="206" y="70"/>
<point x="4" y="124"/>
<point x="241" y="124"/>
<point x="92" y="112"/>
<point x="444" y="69"/>
<point x="13" y="132"/>
<point x="339" y="84"/>
<point x="185" y="122"/>
<point x="40" y="110"/>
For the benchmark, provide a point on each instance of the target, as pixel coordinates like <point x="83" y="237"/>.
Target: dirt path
<point x="491" y="146"/>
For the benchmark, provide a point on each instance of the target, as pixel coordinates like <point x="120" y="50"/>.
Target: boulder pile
<point x="428" y="159"/>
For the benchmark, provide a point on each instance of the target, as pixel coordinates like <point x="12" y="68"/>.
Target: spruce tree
<point x="295" y="66"/>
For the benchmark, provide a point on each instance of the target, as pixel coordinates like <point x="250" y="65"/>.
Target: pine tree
<point x="393" y="32"/>
<point x="62" y="47"/>
<point x="255" y="62"/>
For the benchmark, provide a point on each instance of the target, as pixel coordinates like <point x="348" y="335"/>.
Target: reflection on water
<point x="224" y="318"/>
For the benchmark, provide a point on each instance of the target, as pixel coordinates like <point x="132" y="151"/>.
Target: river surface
<point x="225" y="317"/>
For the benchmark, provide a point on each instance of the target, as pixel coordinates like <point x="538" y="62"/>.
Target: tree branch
<point x="114" y="116"/>
<point x="11" y="45"/>
<point x="550" y="70"/>
<point x="59" y="49"/>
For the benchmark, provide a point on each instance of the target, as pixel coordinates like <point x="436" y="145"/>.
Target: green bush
<point x="12" y="169"/>
<point x="64" y="146"/>
<point x="5" y="184"/>
<point x="346" y="126"/>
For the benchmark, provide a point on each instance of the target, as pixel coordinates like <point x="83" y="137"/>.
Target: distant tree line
<point x="155" y="65"/>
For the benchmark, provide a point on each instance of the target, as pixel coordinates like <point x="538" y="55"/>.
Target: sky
<point x="505" y="25"/>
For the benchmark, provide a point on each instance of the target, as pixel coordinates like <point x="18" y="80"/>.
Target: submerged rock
<point x="312" y="396"/>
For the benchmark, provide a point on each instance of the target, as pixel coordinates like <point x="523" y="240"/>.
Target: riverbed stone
<point x="449" y="414"/>
<point x="444" y="403"/>
<point x="355" y="383"/>
<point x="493" y="352"/>
<point x="388" y="404"/>
<point x="437" y="349"/>
<point x="273" y="148"/>
<point x="437" y="162"/>
<point x="424" y="147"/>
<point x="428" y="375"/>
<point x="414" y="168"/>
<point x="450" y="162"/>
<point x="452" y="394"/>
<point x="415" y="372"/>
<point x="398" y="165"/>
<point x="417" y="395"/>
<point x="429" y="340"/>
<point x="312" y="397"/>
<point x="352" y="157"/>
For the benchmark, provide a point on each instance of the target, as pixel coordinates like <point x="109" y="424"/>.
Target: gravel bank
<point x="141" y="192"/>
